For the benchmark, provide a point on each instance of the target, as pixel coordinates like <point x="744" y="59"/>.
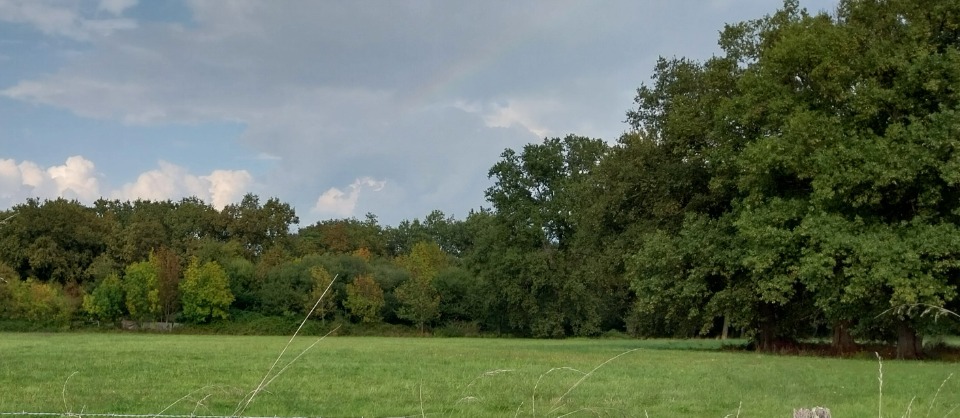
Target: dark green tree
<point x="522" y="249"/>
<point x="824" y="147"/>
<point x="259" y="227"/>
<point x="106" y="302"/>
<point x="53" y="240"/>
<point x="342" y="236"/>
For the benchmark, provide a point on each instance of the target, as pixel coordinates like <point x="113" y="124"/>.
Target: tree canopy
<point x="804" y="181"/>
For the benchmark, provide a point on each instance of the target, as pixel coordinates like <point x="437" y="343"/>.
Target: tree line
<point x="803" y="182"/>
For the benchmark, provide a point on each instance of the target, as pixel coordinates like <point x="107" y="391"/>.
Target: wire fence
<point x="81" y="415"/>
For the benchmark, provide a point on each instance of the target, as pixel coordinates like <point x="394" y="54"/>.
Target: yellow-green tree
<point x="419" y="299"/>
<point x="365" y="299"/>
<point x="140" y="287"/>
<point x="321" y="281"/>
<point x="36" y="301"/>
<point x="205" y="292"/>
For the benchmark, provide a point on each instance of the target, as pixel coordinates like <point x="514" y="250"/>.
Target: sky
<point x="339" y="108"/>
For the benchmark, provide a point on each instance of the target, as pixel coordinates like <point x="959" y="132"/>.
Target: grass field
<point x="368" y="376"/>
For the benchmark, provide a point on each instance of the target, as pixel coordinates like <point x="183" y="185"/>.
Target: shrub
<point x="31" y="300"/>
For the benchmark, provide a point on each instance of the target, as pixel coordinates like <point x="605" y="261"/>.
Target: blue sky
<point x="337" y="107"/>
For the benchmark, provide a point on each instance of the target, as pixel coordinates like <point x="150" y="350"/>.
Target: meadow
<point x="376" y="376"/>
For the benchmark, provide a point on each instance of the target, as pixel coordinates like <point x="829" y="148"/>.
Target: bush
<point x="31" y="300"/>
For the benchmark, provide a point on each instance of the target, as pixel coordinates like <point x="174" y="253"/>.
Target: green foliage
<point x="418" y="297"/>
<point x="284" y="288"/>
<point x="808" y="167"/>
<point x="35" y="301"/>
<point x="804" y="178"/>
<point x="168" y="281"/>
<point x="420" y="301"/>
<point x="243" y="282"/>
<point x="325" y="304"/>
<point x="205" y="292"/>
<point x="53" y="240"/>
<point x="259" y="227"/>
<point x="524" y="251"/>
<point x="461" y="297"/>
<point x="140" y="287"/>
<point x="8" y="279"/>
<point x="106" y="302"/>
<point x="342" y="236"/>
<point x="365" y="299"/>
<point x="446" y="232"/>
<point x="424" y="260"/>
<point x="102" y="267"/>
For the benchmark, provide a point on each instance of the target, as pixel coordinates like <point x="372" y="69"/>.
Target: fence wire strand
<point x="81" y="415"/>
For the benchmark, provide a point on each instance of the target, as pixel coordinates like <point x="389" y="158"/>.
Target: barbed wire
<point x="108" y="415"/>
<point x="81" y="415"/>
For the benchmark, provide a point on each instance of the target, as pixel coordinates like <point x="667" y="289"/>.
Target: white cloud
<point x="339" y="203"/>
<point x="227" y="186"/>
<point x="10" y="178"/>
<point x="60" y="19"/>
<point x="528" y="114"/>
<point x="32" y="175"/>
<point x="76" y="179"/>
<point x="219" y="188"/>
<point x="164" y="183"/>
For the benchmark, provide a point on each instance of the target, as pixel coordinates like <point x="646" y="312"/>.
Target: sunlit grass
<point x="342" y="376"/>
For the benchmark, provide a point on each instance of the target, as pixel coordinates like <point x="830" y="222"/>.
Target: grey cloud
<point x="402" y="92"/>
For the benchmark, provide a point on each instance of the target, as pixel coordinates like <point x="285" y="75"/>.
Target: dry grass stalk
<point x="909" y="412"/>
<point x="267" y="379"/>
<point x="488" y="373"/>
<point x="63" y="393"/>
<point x="880" y="378"/>
<point x="559" y="401"/>
<point x="739" y="407"/>
<point x="934" y="400"/>
<point x="533" y="397"/>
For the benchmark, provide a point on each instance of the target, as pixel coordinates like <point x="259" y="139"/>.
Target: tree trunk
<point x="843" y="342"/>
<point x="766" y="338"/>
<point x="726" y="327"/>
<point x="909" y="344"/>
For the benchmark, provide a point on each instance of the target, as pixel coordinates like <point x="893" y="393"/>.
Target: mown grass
<point x="372" y="376"/>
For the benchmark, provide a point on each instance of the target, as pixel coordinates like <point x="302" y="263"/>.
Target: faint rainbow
<point x="456" y="74"/>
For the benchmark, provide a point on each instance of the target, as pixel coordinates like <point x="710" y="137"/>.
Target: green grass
<point x="372" y="376"/>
